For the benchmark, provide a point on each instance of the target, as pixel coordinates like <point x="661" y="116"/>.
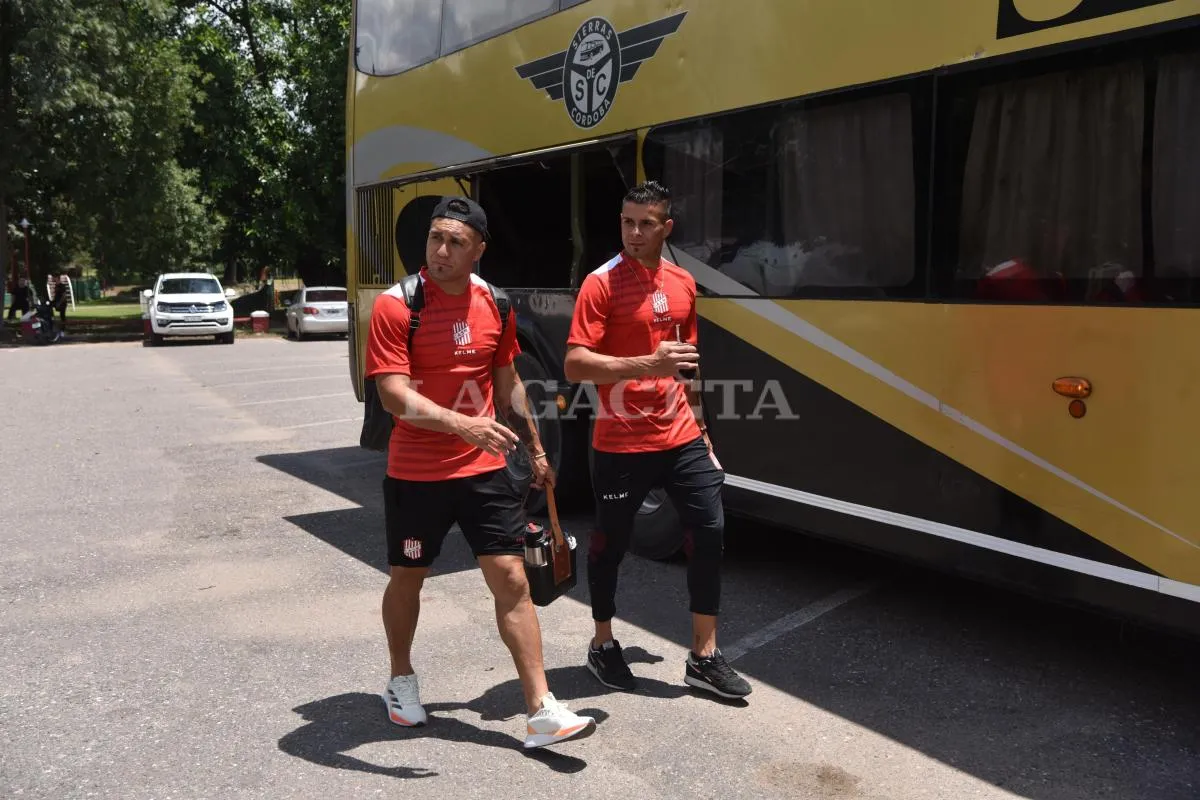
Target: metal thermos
<point x="551" y="572"/>
<point x="537" y="545"/>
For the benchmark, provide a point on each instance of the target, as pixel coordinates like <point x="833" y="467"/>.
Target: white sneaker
<point x="554" y="723"/>
<point x="403" y="699"/>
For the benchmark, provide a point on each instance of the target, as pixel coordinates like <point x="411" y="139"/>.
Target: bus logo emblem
<point x="585" y="75"/>
<point x="593" y="64"/>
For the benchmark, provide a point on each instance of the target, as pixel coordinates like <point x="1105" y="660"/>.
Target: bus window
<point x="1072" y="179"/>
<point x="800" y="200"/>
<point x="465" y="22"/>
<point x="1175" y="199"/>
<point x="1051" y="184"/>
<point x="847" y="193"/>
<point x="395" y="35"/>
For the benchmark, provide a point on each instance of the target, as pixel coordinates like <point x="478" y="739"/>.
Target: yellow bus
<point x="948" y="253"/>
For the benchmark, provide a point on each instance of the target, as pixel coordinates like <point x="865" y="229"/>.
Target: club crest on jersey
<point x="585" y="75"/>
<point x="658" y="301"/>
<point x="412" y="549"/>
<point x="462" y="338"/>
<point x="462" y="333"/>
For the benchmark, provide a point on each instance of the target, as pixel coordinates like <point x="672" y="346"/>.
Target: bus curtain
<point x="1053" y="174"/>
<point x="1175" y="198"/>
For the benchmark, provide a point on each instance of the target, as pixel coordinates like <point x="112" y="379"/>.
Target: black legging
<point x="621" y="482"/>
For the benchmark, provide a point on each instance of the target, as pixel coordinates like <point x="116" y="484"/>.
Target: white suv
<point x="189" y="304"/>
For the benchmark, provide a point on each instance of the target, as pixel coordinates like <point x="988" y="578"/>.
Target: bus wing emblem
<point x="591" y="64"/>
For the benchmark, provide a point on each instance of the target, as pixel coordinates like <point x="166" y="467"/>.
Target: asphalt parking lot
<point x="191" y="564"/>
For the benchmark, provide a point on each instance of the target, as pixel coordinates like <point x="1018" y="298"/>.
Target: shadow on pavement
<point x="1046" y="701"/>
<point x="336" y="725"/>
<point x="357" y="475"/>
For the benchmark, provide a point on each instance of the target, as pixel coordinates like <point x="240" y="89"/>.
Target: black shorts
<point x="418" y="515"/>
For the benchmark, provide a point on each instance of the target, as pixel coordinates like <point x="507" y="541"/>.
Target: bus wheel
<point x="537" y="390"/>
<point x="657" y="532"/>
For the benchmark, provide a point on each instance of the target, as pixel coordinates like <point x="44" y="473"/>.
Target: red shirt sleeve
<point x="508" y="348"/>
<point x="387" y="338"/>
<point x="589" y="321"/>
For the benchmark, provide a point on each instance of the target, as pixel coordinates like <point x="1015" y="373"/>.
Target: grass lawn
<point x="105" y="309"/>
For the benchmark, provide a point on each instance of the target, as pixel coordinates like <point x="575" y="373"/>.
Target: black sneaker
<point x="715" y="675"/>
<point x="608" y="665"/>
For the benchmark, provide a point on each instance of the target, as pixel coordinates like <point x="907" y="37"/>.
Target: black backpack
<point x="377" y="421"/>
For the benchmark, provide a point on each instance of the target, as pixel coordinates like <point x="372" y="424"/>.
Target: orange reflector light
<point x="1077" y="408"/>
<point x="1073" y="387"/>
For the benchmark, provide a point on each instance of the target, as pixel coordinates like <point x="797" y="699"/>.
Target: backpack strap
<point x="503" y="304"/>
<point x="414" y="298"/>
<point x="377" y="421"/>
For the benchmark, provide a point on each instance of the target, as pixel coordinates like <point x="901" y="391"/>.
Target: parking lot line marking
<point x="794" y="620"/>
<point x="340" y="376"/>
<point x="278" y="367"/>
<point x="286" y="400"/>
<point x="326" y="422"/>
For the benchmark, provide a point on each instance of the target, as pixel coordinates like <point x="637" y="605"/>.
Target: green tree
<point x="147" y="135"/>
<point x="241" y="139"/>
<point x="95" y="97"/>
<point x="317" y="50"/>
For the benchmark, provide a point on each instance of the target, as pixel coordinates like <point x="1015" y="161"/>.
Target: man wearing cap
<point x="446" y="459"/>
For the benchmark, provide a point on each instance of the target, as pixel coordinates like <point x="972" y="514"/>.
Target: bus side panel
<point x="1032" y="578"/>
<point x="834" y="449"/>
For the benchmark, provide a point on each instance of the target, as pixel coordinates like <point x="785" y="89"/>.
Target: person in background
<point x="22" y="299"/>
<point x="61" y="299"/>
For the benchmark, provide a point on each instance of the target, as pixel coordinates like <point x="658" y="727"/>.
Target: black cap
<point x="465" y="210"/>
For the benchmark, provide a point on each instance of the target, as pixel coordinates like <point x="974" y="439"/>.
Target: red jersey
<point x="624" y="310"/>
<point x="454" y="351"/>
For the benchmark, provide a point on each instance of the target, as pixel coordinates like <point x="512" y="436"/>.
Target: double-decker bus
<point x="948" y="253"/>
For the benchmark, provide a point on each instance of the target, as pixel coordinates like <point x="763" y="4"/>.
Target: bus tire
<point x="537" y="389"/>
<point x="657" y="531"/>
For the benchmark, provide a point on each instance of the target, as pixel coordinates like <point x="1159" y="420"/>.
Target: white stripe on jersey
<point x="610" y="265"/>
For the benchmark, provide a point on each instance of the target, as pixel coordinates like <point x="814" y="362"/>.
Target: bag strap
<point x="500" y="298"/>
<point x="561" y="555"/>
<point x="414" y="298"/>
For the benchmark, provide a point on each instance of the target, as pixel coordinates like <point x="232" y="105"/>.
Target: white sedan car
<point x="317" y="309"/>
